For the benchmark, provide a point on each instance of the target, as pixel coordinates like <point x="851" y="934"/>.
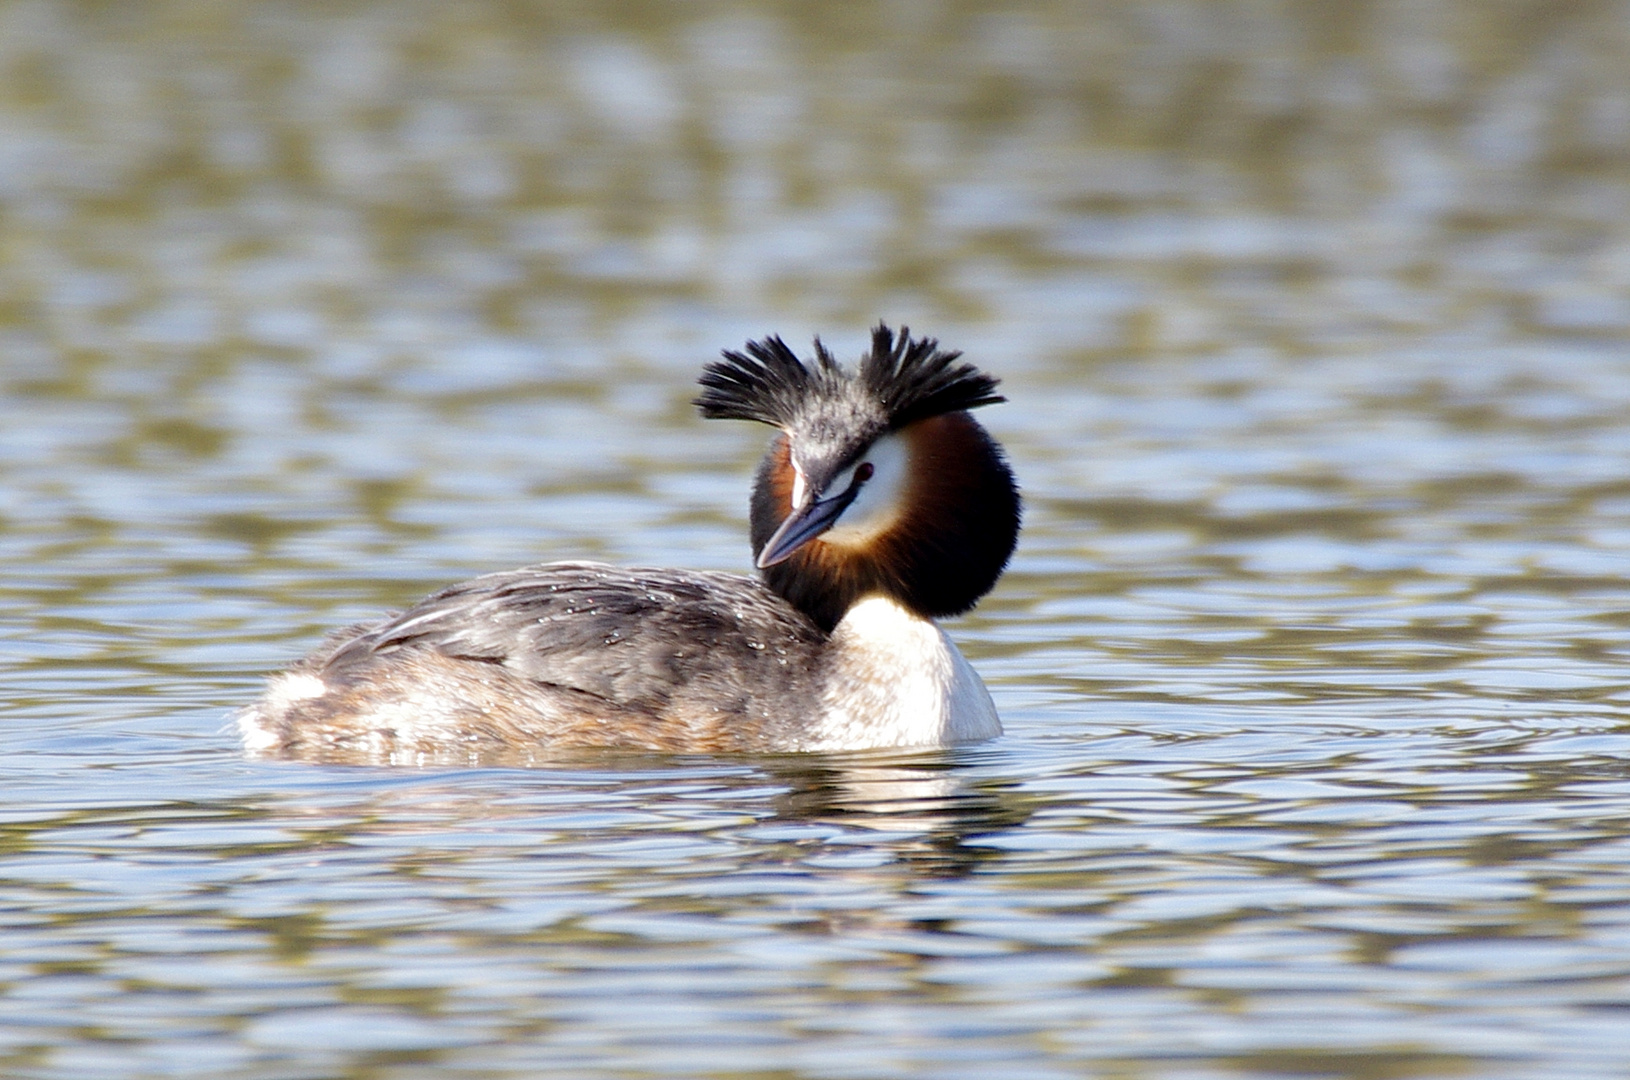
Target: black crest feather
<point x="916" y="379"/>
<point x="908" y="379"/>
<point x="767" y="383"/>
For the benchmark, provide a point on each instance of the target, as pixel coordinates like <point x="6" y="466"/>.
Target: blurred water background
<point x="1314" y="320"/>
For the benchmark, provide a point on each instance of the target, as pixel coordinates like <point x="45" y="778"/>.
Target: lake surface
<point x="1314" y="658"/>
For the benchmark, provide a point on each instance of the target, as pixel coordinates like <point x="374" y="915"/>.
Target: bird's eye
<point x="863" y="472"/>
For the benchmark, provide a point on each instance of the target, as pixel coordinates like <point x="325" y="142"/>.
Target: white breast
<point x="895" y="679"/>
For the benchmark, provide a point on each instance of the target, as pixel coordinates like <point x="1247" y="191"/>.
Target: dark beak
<point x="804" y="525"/>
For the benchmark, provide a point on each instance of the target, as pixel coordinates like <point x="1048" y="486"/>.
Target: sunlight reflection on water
<point x="1312" y="657"/>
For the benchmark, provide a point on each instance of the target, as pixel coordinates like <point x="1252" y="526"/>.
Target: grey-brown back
<point x="688" y="648"/>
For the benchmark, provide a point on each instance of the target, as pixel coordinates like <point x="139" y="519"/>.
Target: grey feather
<point x="631" y="636"/>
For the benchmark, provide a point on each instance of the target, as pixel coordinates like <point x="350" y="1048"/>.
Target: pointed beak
<point x="802" y="526"/>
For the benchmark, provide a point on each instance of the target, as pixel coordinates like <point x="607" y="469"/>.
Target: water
<point x="1312" y="659"/>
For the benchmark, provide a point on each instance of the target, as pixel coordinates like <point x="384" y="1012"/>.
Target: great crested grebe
<point x="881" y="505"/>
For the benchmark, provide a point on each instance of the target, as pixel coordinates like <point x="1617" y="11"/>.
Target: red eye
<point x="863" y="472"/>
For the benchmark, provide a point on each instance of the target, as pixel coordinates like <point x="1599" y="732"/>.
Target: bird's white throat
<point x="895" y="679"/>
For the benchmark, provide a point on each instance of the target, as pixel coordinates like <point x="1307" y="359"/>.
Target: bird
<point x="880" y="506"/>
